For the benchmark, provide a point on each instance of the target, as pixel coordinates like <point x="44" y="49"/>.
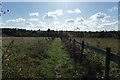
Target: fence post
<point x="70" y="40"/>
<point x="82" y="50"/>
<point x="74" y="47"/>
<point x="107" y="63"/>
<point x="74" y="44"/>
<point x="74" y="53"/>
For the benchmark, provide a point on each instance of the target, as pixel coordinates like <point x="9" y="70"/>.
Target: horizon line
<point x="61" y="30"/>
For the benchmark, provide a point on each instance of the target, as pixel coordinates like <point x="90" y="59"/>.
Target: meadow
<point x="22" y="57"/>
<point x="102" y="43"/>
<point x="34" y="57"/>
<point x="43" y="57"/>
<point x="97" y="61"/>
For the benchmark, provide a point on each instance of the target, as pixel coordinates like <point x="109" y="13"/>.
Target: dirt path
<point x="59" y="64"/>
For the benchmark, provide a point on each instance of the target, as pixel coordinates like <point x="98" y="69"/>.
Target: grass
<point x="30" y="57"/>
<point x="23" y="57"/>
<point x="97" y="61"/>
<point x="59" y="64"/>
<point x="103" y="43"/>
<point x="35" y="57"/>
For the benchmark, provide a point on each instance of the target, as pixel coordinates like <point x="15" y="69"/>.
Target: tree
<point x="48" y="30"/>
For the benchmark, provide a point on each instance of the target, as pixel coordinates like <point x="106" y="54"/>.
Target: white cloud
<point x="89" y="25"/>
<point x="53" y="14"/>
<point x="20" y="19"/>
<point x="48" y="16"/>
<point x="96" y="26"/>
<point x="40" y="25"/>
<point x="79" y="19"/>
<point x="86" y="25"/>
<point x="99" y="15"/>
<point x="113" y="9"/>
<point x="92" y="24"/>
<point x="61" y="27"/>
<point x="56" y="22"/>
<point x="109" y="26"/>
<point x="57" y="12"/>
<point x="105" y="21"/>
<point x="33" y="19"/>
<point x="16" y="20"/>
<point x="34" y="14"/>
<point x="77" y="10"/>
<point x="70" y="11"/>
<point x="41" y="22"/>
<point x="74" y="11"/>
<point x="78" y="24"/>
<point x="70" y="20"/>
<point x="12" y="20"/>
<point x="111" y="23"/>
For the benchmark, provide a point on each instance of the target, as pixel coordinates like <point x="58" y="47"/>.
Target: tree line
<point x="15" y="32"/>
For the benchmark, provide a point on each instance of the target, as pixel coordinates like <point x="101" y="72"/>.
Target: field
<point x="97" y="61"/>
<point x="30" y="57"/>
<point x="35" y="57"/>
<point x="102" y="43"/>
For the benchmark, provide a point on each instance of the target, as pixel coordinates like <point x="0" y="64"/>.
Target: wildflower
<point x="7" y="59"/>
<point x="6" y="55"/>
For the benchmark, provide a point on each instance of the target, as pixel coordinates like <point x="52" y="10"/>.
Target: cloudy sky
<point x="84" y="16"/>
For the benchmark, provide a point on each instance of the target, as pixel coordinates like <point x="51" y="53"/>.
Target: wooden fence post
<point x="107" y="63"/>
<point x="74" y="47"/>
<point x="70" y="40"/>
<point x="82" y="50"/>
<point x="73" y="44"/>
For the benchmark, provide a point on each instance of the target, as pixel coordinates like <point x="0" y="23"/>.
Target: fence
<point x="107" y="53"/>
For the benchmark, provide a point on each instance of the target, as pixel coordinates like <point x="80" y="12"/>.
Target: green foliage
<point x="97" y="61"/>
<point x="59" y="64"/>
<point x="37" y="58"/>
<point x="51" y="33"/>
<point x="31" y="57"/>
<point x="22" y="59"/>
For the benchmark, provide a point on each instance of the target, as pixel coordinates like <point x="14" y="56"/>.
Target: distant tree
<point x="39" y="30"/>
<point x="48" y="30"/>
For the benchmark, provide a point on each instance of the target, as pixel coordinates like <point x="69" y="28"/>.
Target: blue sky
<point x="84" y="16"/>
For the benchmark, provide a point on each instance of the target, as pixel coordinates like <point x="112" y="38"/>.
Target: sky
<point x="60" y="0"/>
<point x="70" y="16"/>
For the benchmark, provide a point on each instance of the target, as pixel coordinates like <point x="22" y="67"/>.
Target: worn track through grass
<point x="37" y="58"/>
<point x="59" y="64"/>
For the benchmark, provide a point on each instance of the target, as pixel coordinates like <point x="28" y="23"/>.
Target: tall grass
<point x="23" y="57"/>
<point x="97" y="61"/>
<point x="103" y="43"/>
<point x="93" y="64"/>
